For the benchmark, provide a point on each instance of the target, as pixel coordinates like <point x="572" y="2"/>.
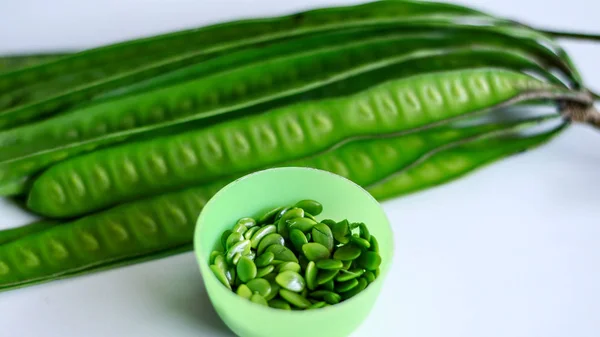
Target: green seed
<point x="247" y="222"/>
<point x="231" y="275"/>
<point x="325" y="276"/>
<point x="364" y="231"/>
<point x="282" y="253"/>
<point x="362" y="243"/>
<point x="251" y="255"/>
<point x="311" y="275"/>
<point x="271" y="277"/>
<point x="279" y="304"/>
<point x="224" y="238"/>
<point x="342" y="287"/>
<point x="246" y="269"/>
<point x="311" y="206"/>
<point x="240" y="228"/>
<point x="260" y="286"/>
<point x="220" y="276"/>
<point x="261" y="233"/>
<point x="283" y="229"/>
<point x="310" y="216"/>
<point x="220" y="262"/>
<point x="274" y="290"/>
<point x="269" y="216"/>
<point x="256" y="298"/>
<point x="271" y="239"/>
<point x="277" y="262"/>
<point x="317" y="305"/>
<point x="294" y="299"/>
<point x="293" y="266"/>
<point x="250" y="232"/>
<point x="329" y="285"/>
<point x="349" y="275"/>
<point x="244" y="291"/>
<point x="308" y="237"/>
<point x="233" y="239"/>
<point x="298" y="239"/>
<point x="264" y="259"/>
<point x="377" y="272"/>
<point x="303" y="261"/>
<point x="320" y="294"/>
<point x="361" y="285"/>
<point x="347" y="265"/>
<point x="213" y="255"/>
<point x="347" y="252"/>
<point x="262" y="272"/>
<point x="330" y="223"/>
<point x="236" y="258"/>
<point x="303" y="224"/>
<point x="315" y="251"/>
<point x="341" y="231"/>
<point x="321" y="233"/>
<point x="292" y="213"/>
<point x="370" y="276"/>
<point x="332" y="298"/>
<point x="354" y="225"/>
<point x="374" y="244"/>
<point x="369" y="260"/>
<point x="291" y="281"/>
<point x="329" y="264"/>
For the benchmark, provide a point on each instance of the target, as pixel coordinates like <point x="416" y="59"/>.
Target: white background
<point x="511" y="250"/>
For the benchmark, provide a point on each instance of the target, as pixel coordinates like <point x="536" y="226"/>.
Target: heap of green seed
<point x="287" y="259"/>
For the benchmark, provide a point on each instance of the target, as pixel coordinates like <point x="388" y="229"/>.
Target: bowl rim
<point x="202" y="259"/>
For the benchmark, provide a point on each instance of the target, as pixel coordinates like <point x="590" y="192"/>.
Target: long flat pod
<point x="113" y="175"/>
<point x="141" y="230"/>
<point x="329" y="73"/>
<point x="31" y="111"/>
<point x="12" y="234"/>
<point x="17" y="61"/>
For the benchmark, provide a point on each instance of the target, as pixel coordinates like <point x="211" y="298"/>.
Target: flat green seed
<point x="329" y="285"/>
<point x="291" y="281"/>
<point x="330" y="223"/>
<point x="292" y="213"/>
<point x="244" y="291"/>
<point x="220" y="276"/>
<point x="370" y="276"/>
<point x="262" y="272"/>
<point x="342" y="287"/>
<point x="311" y="275"/>
<point x="377" y="272"/>
<point x="279" y="304"/>
<point x="231" y="275"/>
<point x="317" y="305"/>
<point x="349" y="275"/>
<point x="269" y="217"/>
<point x="308" y="237"/>
<point x="294" y="299"/>
<point x="250" y="232"/>
<point x="303" y="261"/>
<point x="220" y="262"/>
<point x="293" y="266"/>
<point x="256" y="298"/>
<point x="264" y="259"/>
<point x="240" y="228"/>
<point x="347" y="265"/>
<point x="320" y="294"/>
<point x="315" y="251"/>
<point x="271" y="239"/>
<point x="354" y="225"/>
<point x="325" y="276"/>
<point x="277" y="262"/>
<point x="374" y="244"/>
<point x="364" y="231"/>
<point x="260" y="286"/>
<point x="310" y="216"/>
<point x="347" y="252"/>
<point x="261" y="233"/>
<point x="282" y="253"/>
<point x="224" y="238"/>
<point x="311" y="206"/>
<point x="246" y="269"/>
<point x="236" y="258"/>
<point x="341" y="232"/>
<point x="233" y="239"/>
<point x="247" y="222"/>
<point x="321" y="233"/>
<point x="330" y="264"/>
<point x="303" y="224"/>
<point x="213" y="255"/>
<point x="362" y="243"/>
<point x="283" y="229"/>
<point x="251" y="255"/>
<point x="369" y="260"/>
<point x="362" y="285"/>
<point x="298" y="239"/>
<point x="332" y="298"/>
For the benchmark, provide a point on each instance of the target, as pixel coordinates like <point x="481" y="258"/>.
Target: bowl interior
<point x="259" y="192"/>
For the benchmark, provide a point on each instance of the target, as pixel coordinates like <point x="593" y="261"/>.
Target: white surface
<point x="511" y="250"/>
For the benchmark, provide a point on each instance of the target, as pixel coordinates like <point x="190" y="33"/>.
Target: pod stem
<point x="572" y="35"/>
<point x="582" y="113"/>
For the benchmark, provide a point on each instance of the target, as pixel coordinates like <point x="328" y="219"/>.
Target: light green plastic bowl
<point x="264" y="190"/>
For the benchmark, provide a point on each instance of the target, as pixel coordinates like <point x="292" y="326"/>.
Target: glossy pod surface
<point x="122" y="173"/>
